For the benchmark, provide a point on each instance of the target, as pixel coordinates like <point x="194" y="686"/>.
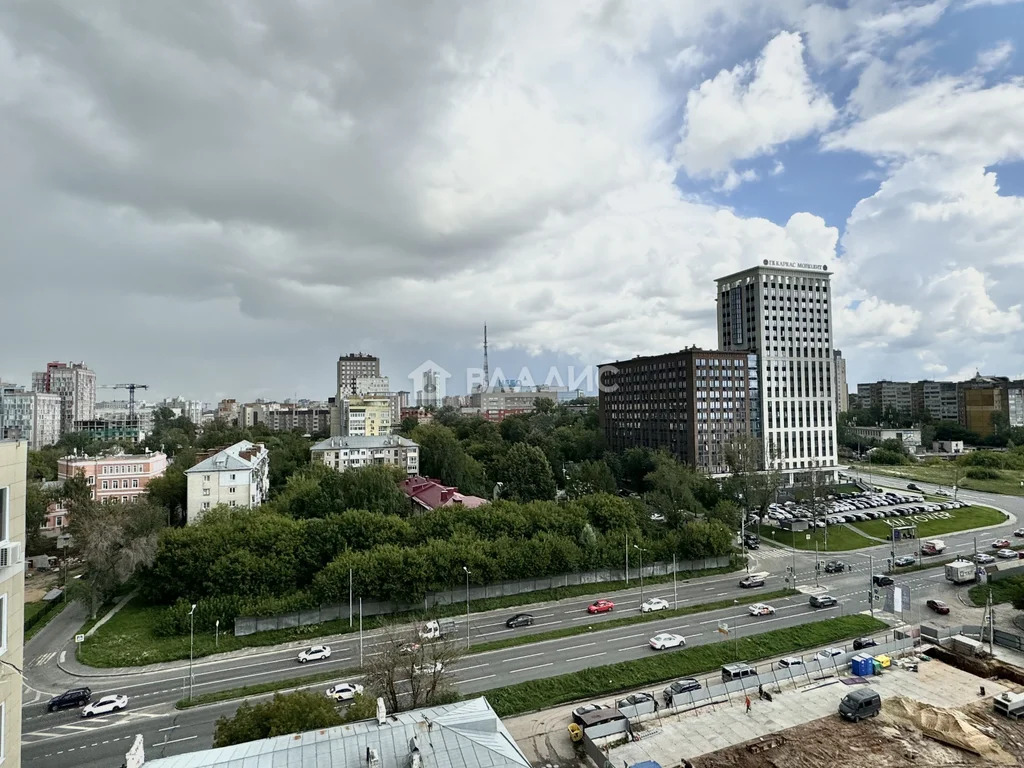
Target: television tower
<point x="487" y="370"/>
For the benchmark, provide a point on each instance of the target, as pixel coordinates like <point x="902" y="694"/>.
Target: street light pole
<point x="191" y="647"/>
<point x="216" y="635"/>
<point x="467" y="604"/>
<point x="675" y="595"/>
<point x="641" y="572"/>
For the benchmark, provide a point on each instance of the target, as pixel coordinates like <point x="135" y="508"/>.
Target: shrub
<point x="982" y="473"/>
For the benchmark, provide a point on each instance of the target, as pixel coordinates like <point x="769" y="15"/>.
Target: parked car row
<point x="856" y="507"/>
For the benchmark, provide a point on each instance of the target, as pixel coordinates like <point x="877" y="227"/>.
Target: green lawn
<point x="127" y="640"/>
<point x="1008" y="482"/>
<point x="534" y="695"/>
<point x="840" y="538"/>
<point x="33" y="609"/>
<point x="961" y="520"/>
<point x="1003" y="591"/>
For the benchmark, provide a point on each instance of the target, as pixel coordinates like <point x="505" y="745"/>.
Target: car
<point x="75" y="697"/>
<point x="685" y="685"/>
<point x="586" y="709"/>
<point x="791" y="661"/>
<point x="407" y="649"/>
<point x="822" y="601"/>
<point x="654" y="604"/>
<point x="938" y="606"/>
<point x="344" y="691"/>
<point x="667" y="640"/>
<point x="761" y="609"/>
<point x="1007" y="554"/>
<point x="428" y="668"/>
<point x="752" y="581"/>
<point x="942" y="492"/>
<point x="633" y="699"/>
<point x="1019" y="533"/>
<point x="315" y="653"/>
<point x="864" y="642"/>
<point x="1000" y="544"/>
<point x="105" y="706"/>
<point x="600" y="606"/>
<point x="883" y="581"/>
<point x="983" y="559"/>
<point x="828" y="654"/>
<point x="914" y="487"/>
<point x="835" y="566"/>
<point x="904" y="560"/>
<point x="520" y="620"/>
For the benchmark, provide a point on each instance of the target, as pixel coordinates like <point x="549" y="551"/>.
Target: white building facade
<point x="236" y="476"/>
<point x="348" y="452"/>
<point x="31" y="416"/>
<point x="13" y="462"/>
<point x="76" y="384"/>
<point x="783" y="312"/>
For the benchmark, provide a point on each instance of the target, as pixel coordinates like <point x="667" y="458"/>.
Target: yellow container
<point x="575" y="732"/>
<point x="884" y="660"/>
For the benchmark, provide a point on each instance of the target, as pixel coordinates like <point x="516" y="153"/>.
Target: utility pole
<point x="467" y="604"/>
<point x="641" y="573"/>
<point x="675" y="595"/>
<point x="871" y="585"/>
<point x="191" y="647"/>
<point x="350" y="598"/>
<point x="817" y="564"/>
<point x="360" y="632"/>
<point x="991" y="625"/>
<point x="627" y="559"/>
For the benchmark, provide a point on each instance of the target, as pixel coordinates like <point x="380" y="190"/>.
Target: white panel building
<point x="783" y="312"/>
<point x="347" y="452"/>
<point x="31" y="416"/>
<point x="237" y="476"/>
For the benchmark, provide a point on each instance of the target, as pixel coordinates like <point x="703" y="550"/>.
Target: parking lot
<point x="851" y="508"/>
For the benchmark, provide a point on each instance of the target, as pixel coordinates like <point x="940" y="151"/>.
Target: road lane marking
<point x="169" y="728"/>
<point x="624" y="637"/>
<point x="591" y="656"/>
<point x="517" y="658"/>
<point x="574" y="647"/>
<point x="474" y="679"/>
<point x="539" y="666"/>
<point x="475" y="666"/>
<point x="172" y="741"/>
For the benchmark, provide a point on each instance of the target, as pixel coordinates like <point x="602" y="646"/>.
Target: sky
<point x="218" y="199"/>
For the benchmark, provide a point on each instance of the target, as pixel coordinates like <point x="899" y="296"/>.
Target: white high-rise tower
<point x="783" y="312"/>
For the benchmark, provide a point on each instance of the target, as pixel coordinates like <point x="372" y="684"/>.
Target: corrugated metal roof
<point x="231" y="459"/>
<point x="363" y="441"/>
<point x="467" y="734"/>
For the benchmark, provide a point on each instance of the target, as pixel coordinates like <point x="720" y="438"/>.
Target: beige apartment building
<point x="13" y="463"/>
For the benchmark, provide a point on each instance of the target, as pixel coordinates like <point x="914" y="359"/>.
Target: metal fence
<point x="999" y="636"/>
<point x="248" y="625"/>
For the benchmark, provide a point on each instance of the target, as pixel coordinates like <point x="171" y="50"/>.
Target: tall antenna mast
<point x="487" y="370"/>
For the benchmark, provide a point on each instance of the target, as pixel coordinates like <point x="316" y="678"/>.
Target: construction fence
<point x="248" y="625"/>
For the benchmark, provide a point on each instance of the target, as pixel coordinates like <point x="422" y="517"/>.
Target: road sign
<point x="79" y="638"/>
<point x="808" y="537"/>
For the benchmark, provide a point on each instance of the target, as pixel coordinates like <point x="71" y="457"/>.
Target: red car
<point x="601" y="606"/>
<point x="938" y="606"/>
<point x="1000" y="544"/>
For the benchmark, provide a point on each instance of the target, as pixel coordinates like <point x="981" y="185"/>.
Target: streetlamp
<point x="216" y="636"/>
<point x="467" y="603"/>
<point x="191" y="647"/>
<point x="641" y="550"/>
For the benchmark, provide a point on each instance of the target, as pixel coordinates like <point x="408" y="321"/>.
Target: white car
<point x="315" y="653"/>
<point x="761" y="609"/>
<point x="105" y="706"/>
<point x="942" y="492"/>
<point x="344" y="691"/>
<point x="654" y="604"/>
<point x="828" y="654"/>
<point x="1007" y="554"/>
<point x="791" y="661"/>
<point x="428" y="669"/>
<point x="667" y="640"/>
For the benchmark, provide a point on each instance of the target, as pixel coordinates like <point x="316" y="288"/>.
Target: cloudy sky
<point x="219" y="198"/>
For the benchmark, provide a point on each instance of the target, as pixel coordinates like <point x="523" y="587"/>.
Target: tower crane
<point x="131" y="394"/>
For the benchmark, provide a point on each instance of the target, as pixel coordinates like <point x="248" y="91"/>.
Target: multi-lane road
<point x="65" y="739"/>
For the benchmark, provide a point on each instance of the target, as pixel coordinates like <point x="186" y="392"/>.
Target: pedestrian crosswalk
<point x="39" y="661"/>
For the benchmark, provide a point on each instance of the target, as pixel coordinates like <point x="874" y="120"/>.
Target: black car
<point x="883" y="581"/>
<point x="680" y="686"/>
<point x="76" y="697"/>
<point x="864" y="642"/>
<point x="835" y="566"/>
<point x="634" y="699"/>
<point x="752" y="542"/>
<point x="520" y="620"/>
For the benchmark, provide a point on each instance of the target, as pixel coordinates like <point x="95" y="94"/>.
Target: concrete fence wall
<point x="247" y="625"/>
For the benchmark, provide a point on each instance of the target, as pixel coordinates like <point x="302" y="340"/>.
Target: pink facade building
<point x="119" y="478"/>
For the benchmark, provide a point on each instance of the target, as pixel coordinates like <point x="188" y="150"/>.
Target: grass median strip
<point x="269" y="687"/>
<point x="128" y="639"/>
<point x="959" y="520"/>
<point x="625" y="621"/>
<point x="534" y="695"/>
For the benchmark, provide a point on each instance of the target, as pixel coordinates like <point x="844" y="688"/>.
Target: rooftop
<point x="234" y="457"/>
<point x="363" y="441"/>
<point x="466" y="734"/>
<point x="112" y="457"/>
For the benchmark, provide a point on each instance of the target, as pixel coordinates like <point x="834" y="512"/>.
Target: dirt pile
<point x="950" y="726"/>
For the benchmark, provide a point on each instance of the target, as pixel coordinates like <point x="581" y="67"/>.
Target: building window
<point x="231" y="503"/>
<point x="115" y="484"/>
<point x="231" y="489"/>
<point x="232" y="476"/>
<point x="206" y="505"/>
<point x="3" y="624"/>
<point x="135" y="483"/>
<point x="124" y="499"/>
<point x="206" y="478"/>
<point x="104" y="484"/>
<point x="206" y="491"/>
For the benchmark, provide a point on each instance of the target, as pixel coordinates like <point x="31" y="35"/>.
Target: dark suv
<point x="76" y="697"/>
<point x="883" y="581"/>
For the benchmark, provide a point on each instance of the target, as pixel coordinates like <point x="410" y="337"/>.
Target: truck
<point x="933" y="547"/>
<point x="436" y="629"/>
<point x="961" y="571"/>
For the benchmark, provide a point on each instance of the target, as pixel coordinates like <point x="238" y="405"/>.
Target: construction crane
<point x="131" y="394"/>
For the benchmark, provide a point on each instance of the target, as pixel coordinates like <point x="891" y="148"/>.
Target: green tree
<point x="526" y="474"/>
<point x="285" y="713"/>
<point x="170" y="491"/>
<point x="36" y="502"/>
<point x="671" y="491"/>
<point x="588" y="477"/>
<point x="443" y="457"/>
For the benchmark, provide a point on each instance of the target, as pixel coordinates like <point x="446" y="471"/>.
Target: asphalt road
<point x="65" y="739"/>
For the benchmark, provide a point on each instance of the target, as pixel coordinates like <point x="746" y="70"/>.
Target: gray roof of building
<point x="231" y="457"/>
<point x="466" y="734"/>
<point x="363" y="441"/>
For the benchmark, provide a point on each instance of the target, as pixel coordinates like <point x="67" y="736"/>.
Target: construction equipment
<point x="131" y="394"/>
